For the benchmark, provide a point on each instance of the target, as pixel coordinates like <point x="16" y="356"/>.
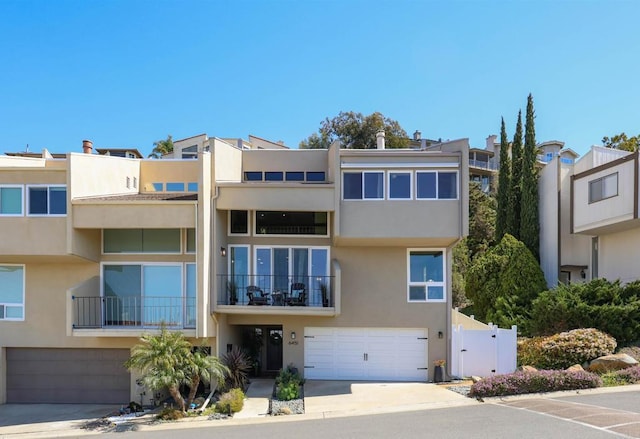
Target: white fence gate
<point x="483" y="353"/>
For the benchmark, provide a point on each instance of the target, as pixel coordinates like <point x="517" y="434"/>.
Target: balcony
<point x="483" y="164"/>
<point x="276" y="294"/>
<point x="132" y="313"/>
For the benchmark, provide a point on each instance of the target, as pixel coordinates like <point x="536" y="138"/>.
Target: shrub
<point x="601" y="304"/>
<point x="239" y="366"/>
<point x="288" y="384"/>
<point x="230" y="402"/>
<point x="532" y="382"/>
<point x="169" y="414"/>
<point x="565" y="349"/>
<point x="288" y="391"/>
<point x="630" y="375"/>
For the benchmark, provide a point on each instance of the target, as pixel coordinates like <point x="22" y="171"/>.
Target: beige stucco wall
<point x="128" y="215"/>
<point x="548" y="193"/>
<point x="284" y="160"/>
<point x="608" y="211"/>
<point x="618" y="255"/>
<point x="227" y="161"/>
<point x="276" y="196"/>
<point x="575" y="248"/>
<point x="93" y="175"/>
<point x="167" y="171"/>
<point x="33" y="236"/>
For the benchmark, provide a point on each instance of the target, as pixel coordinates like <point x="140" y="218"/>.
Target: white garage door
<point x="391" y="354"/>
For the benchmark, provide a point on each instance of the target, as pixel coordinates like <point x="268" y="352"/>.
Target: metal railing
<point x="483" y="164"/>
<point x="275" y="290"/>
<point x="134" y="312"/>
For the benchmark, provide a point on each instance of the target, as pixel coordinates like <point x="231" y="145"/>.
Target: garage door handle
<point x="366" y="357"/>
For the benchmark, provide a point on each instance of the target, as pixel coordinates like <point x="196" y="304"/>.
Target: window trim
<point x="399" y="171"/>
<point x="249" y="254"/>
<point x="253" y="226"/>
<point x="437" y="172"/>
<point x="426" y="284"/>
<point x="604" y="177"/>
<point x="22" y="199"/>
<point x="184" y="244"/>
<point x="249" y="217"/>
<point x="48" y="186"/>
<point x="254" y="254"/>
<point x="362" y="173"/>
<point x="24" y="294"/>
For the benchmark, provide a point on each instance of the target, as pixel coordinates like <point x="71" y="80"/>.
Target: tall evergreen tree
<point x="504" y="184"/>
<point x="515" y="189"/>
<point x="529" y="217"/>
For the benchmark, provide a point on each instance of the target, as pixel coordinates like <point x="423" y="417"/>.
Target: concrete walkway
<point x="257" y="402"/>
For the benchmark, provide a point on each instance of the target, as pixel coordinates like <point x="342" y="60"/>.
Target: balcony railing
<point x="275" y="290"/>
<point x="483" y="164"/>
<point x="134" y="312"/>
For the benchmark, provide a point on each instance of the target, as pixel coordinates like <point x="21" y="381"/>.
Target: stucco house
<point x="336" y="261"/>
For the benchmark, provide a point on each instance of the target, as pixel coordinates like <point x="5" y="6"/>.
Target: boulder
<point x="526" y="369"/>
<point x="475" y="379"/>
<point x="576" y="368"/>
<point x="612" y="362"/>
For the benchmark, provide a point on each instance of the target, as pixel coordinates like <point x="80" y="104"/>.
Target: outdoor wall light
<point x="293" y="335"/>
<point x="583" y="274"/>
<point x="223" y="252"/>
<point x="440" y="334"/>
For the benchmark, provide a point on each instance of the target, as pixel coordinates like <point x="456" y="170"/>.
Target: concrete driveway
<point x="49" y="419"/>
<point x="348" y="398"/>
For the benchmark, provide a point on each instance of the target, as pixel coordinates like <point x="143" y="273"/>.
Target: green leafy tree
<point x="515" y="188"/>
<point x="460" y="267"/>
<point x="162" y="147"/>
<point x="503" y="282"/>
<point x="504" y="185"/>
<point x="203" y="367"/>
<point x="166" y="360"/>
<point x="621" y="141"/>
<point x="354" y="130"/>
<point x="529" y="216"/>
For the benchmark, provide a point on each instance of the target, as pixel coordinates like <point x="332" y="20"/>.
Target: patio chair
<point x="298" y="295"/>
<point x="257" y="296"/>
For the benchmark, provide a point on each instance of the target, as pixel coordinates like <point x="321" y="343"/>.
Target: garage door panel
<point x="67" y="375"/>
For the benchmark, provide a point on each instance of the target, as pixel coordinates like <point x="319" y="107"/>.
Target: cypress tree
<point x="515" y="194"/>
<point x="504" y="184"/>
<point x="529" y="218"/>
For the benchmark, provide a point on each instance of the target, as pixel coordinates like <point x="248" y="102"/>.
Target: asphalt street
<point x="584" y="416"/>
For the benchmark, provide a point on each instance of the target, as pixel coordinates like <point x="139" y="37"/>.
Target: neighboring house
<point x="589" y="217"/>
<point x="336" y="261"/>
<point x="190" y="147"/>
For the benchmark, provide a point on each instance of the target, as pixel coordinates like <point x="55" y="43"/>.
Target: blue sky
<point x="127" y="73"/>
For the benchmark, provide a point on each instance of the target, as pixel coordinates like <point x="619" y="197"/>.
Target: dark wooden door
<point x="274" y="349"/>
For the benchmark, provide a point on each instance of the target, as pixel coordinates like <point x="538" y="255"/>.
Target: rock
<point x="475" y="379"/>
<point x="612" y="362"/>
<point x="576" y="368"/>
<point x="526" y="369"/>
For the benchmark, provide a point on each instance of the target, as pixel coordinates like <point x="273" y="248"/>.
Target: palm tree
<point x="205" y="368"/>
<point x="163" y="360"/>
<point x="162" y="147"/>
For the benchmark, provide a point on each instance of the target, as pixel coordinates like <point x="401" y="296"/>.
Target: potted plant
<point x="438" y="371"/>
<point x="232" y="289"/>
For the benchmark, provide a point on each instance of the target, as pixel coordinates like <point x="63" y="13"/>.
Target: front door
<point x="274" y="349"/>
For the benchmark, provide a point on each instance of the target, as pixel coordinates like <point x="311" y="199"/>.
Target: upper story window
<point x="191" y="240"/>
<point x="291" y="223"/>
<point x="11" y="200"/>
<point x="603" y="187"/>
<point x="11" y="292"/>
<point x="175" y="187"/>
<point x="190" y="152"/>
<point x="273" y="176"/>
<point x="253" y="176"/>
<point x="429" y="185"/>
<point x="294" y="176"/>
<point x="47" y="200"/>
<point x="426" y="269"/>
<point x="141" y="241"/>
<point x="316" y="176"/>
<point x="239" y="222"/>
<point x="309" y="176"/>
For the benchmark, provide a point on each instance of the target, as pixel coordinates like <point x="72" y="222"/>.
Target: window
<point x="135" y="182"/>
<point x="431" y="185"/>
<point x="291" y="223"/>
<point x="273" y="176"/>
<point x="604" y="187"/>
<point x="239" y="222"/>
<point x="315" y="176"/>
<point x="192" y="186"/>
<point x="148" y="294"/>
<point x="11" y="200"/>
<point x="158" y="187"/>
<point x="363" y="185"/>
<point x="11" y="292"/>
<point x="141" y="240"/>
<point x="191" y="240"/>
<point x="47" y="200"/>
<point x="253" y="176"/>
<point x="294" y="176"/>
<point x="175" y="187"/>
<point x="426" y="276"/>
<point x="399" y="185"/>
<point x="190" y="152"/>
<point x="128" y="182"/>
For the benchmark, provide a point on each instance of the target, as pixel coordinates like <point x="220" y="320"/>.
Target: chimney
<point x="380" y="139"/>
<point x="87" y="146"/>
<point x="417" y="135"/>
<point x="490" y="141"/>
